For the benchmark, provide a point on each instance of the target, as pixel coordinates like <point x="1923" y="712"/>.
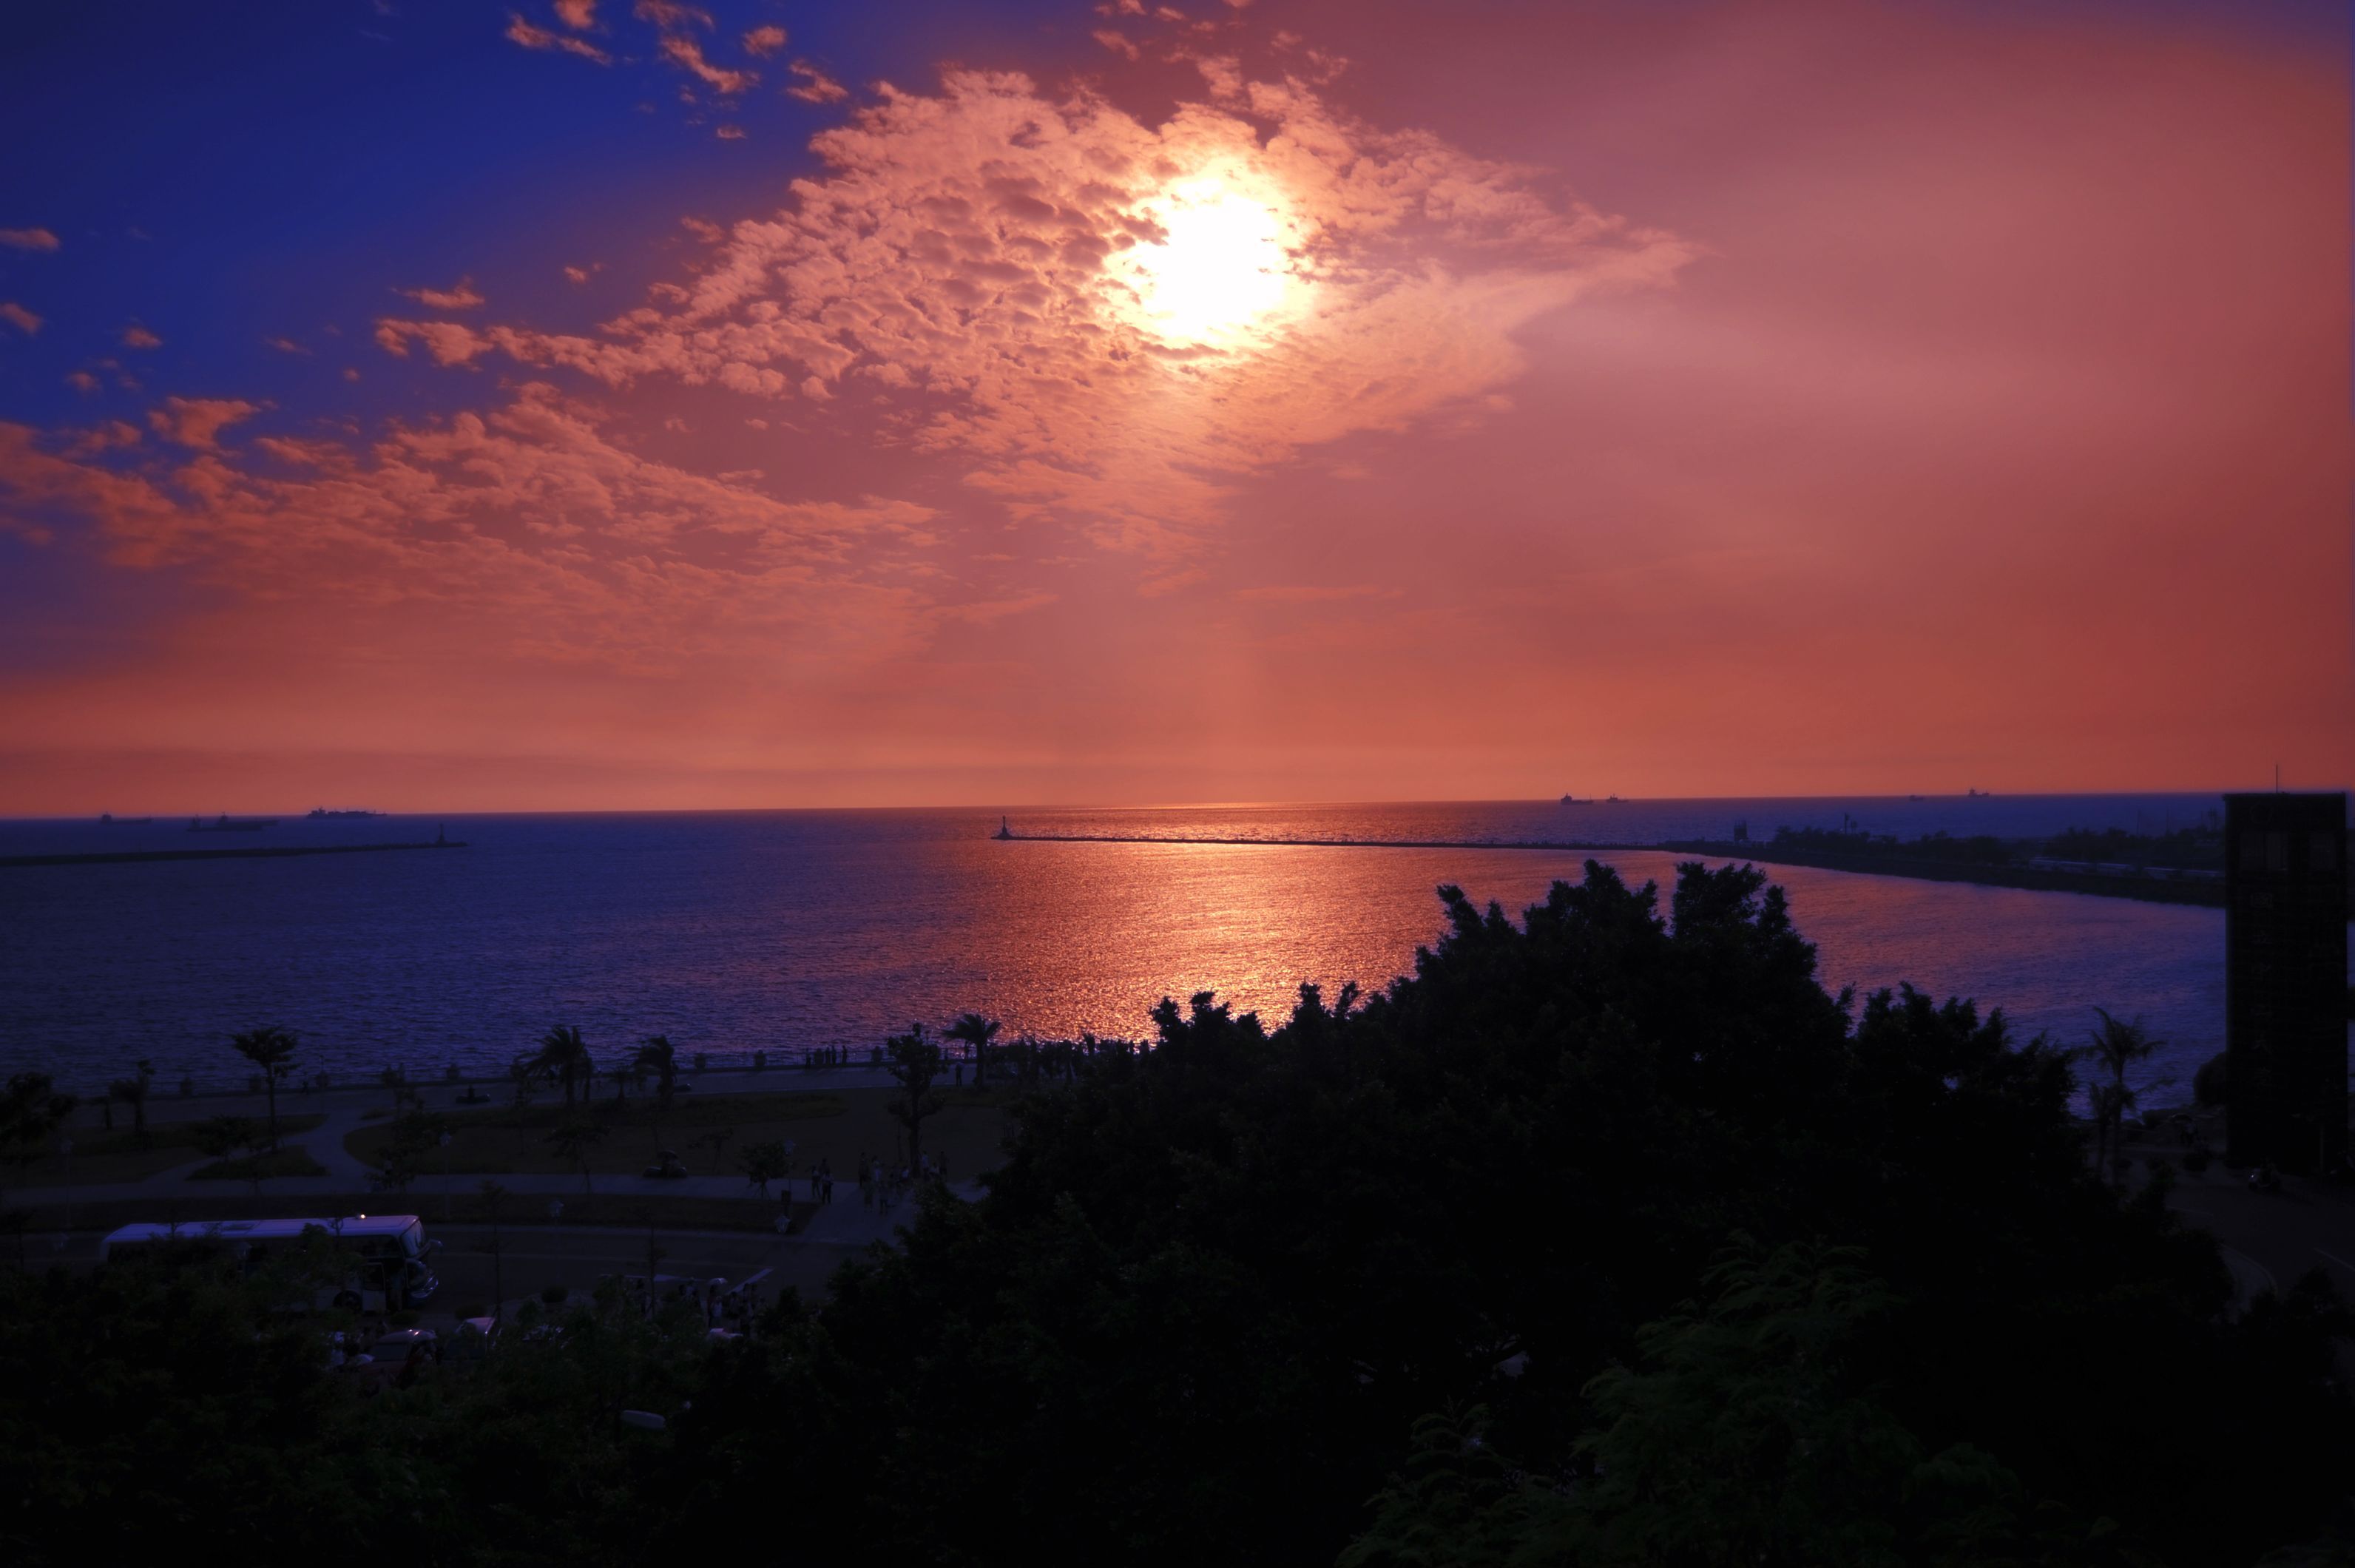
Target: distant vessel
<point x="1975" y="794"/>
<point x="318" y="811"/>
<point x="223" y="824"/>
<point x="112" y="820"/>
<point x="1573" y="800"/>
<point x="1610" y="800"/>
<point x="1005" y="829"/>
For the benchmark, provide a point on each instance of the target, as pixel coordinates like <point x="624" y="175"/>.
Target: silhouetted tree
<point x="977" y="1031"/>
<point x="915" y="1064"/>
<point x="132" y="1091"/>
<point x="573" y="1138"/>
<point x="224" y="1137"/>
<point x="272" y="1049"/>
<point x="522" y="1073"/>
<point x="564" y="1060"/>
<point x="31" y="1109"/>
<point x="2115" y="1047"/>
<point x="655" y="1056"/>
<point x="764" y="1163"/>
<point x="717" y="1141"/>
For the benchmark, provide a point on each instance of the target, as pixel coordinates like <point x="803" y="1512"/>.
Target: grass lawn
<point x="101" y="1156"/>
<point x="284" y="1162"/>
<point x="837" y="1125"/>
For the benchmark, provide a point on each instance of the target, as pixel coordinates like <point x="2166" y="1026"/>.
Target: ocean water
<point x="781" y="931"/>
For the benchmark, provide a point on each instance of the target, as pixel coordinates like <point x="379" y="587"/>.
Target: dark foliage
<point x="1603" y="1239"/>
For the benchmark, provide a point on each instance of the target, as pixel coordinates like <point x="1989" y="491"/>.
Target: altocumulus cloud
<point x="527" y="528"/>
<point x="972" y="252"/>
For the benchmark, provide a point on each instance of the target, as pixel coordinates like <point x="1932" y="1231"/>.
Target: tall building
<point x="2286" y="979"/>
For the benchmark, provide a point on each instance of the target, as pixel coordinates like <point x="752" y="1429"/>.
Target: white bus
<point x="387" y="1252"/>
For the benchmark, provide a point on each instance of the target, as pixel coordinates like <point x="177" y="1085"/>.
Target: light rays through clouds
<point x="1098" y="321"/>
<point x="1106" y="318"/>
<point x="1146" y="402"/>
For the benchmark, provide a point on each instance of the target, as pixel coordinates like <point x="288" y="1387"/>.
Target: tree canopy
<point x="1607" y="1236"/>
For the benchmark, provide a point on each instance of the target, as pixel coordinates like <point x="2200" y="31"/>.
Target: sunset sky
<point x="599" y="404"/>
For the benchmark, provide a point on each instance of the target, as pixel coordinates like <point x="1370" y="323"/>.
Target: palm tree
<point x="132" y="1091"/>
<point x="658" y="1056"/>
<point x="564" y="1058"/>
<point x="272" y="1051"/>
<point x="2116" y="1046"/>
<point x="573" y="1138"/>
<point x="915" y="1063"/>
<point x="977" y="1031"/>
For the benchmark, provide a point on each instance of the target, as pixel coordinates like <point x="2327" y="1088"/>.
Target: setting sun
<point x="1220" y="267"/>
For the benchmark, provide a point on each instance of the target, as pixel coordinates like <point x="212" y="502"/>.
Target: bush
<point x="2207" y="1085"/>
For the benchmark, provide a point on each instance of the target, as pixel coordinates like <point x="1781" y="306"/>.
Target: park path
<point x="349" y="1109"/>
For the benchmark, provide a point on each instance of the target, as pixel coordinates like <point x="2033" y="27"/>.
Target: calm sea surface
<point x="737" y="932"/>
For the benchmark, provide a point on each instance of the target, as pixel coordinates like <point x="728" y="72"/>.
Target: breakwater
<point x="1262" y="841"/>
<point x="2202" y="893"/>
<point x="256" y="852"/>
<point x="2206" y="893"/>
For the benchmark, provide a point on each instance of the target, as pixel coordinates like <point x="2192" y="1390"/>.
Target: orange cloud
<point x="463" y="297"/>
<point x="137" y="337"/>
<point x="582" y="550"/>
<point x="764" y="41"/>
<point x="669" y="13"/>
<point x="532" y="36"/>
<point x="579" y="14"/>
<point x="688" y="55"/>
<point x="816" y="86"/>
<point x="17" y="316"/>
<point x="29" y="239"/>
<point x="449" y="342"/>
<point x="991" y="249"/>
<point x="197" y="422"/>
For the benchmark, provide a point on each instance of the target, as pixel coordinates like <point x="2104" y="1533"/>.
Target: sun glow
<point x="1221" y="269"/>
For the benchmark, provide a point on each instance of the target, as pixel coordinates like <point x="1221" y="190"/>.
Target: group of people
<point x="884" y="1186"/>
<point x="880" y="1184"/>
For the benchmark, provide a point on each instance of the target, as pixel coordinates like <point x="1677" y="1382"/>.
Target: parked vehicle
<point x="383" y="1256"/>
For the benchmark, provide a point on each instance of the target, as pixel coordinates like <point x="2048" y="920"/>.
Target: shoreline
<point x="2207" y="894"/>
